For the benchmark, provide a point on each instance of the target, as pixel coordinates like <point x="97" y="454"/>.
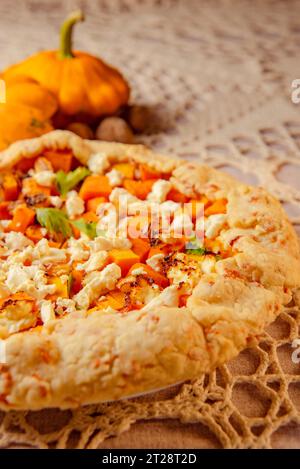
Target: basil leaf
<point x="55" y="221"/>
<point x="89" y="228"/>
<point x="67" y="181"/>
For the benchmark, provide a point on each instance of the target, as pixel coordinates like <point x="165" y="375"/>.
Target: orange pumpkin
<point x="18" y="122"/>
<point x="26" y="91"/>
<point x="82" y="83"/>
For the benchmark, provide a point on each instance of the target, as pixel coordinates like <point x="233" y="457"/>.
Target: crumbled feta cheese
<point x="208" y="265"/>
<point x="45" y="254"/>
<point x="78" y="249"/>
<point x="28" y="279"/>
<point x="55" y="201"/>
<point x="184" y="272"/>
<point x="65" y="305"/>
<point x="168" y="297"/>
<point x="15" y="241"/>
<point x="138" y="271"/>
<point x="155" y="262"/>
<point x="47" y="311"/>
<point x="74" y="204"/>
<point x="159" y="191"/>
<point x="106" y="244"/>
<point x="214" y="224"/>
<point x="120" y="196"/>
<point x="97" y="285"/>
<point x="44" y="178"/>
<point x="98" y="163"/>
<point x="115" y="177"/>
<point x="95" y="262"/>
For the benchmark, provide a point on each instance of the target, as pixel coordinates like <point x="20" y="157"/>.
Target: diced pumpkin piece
<point x="60" y="159"/>
<point x="162" y="249"/>
<point x="218" y="206"/>
<point x="31" y="187"/>
<point x="125" y="258"/>
<point x="25" y="164"/>
<point x="4" y="211"/>
<point x="61" y="287"/>
<point x="95" y="186"/>
<point x="114" y="299"/>
<point x="10" y="187"/>
<point x="148" y="173"/>
<point x="177" y="196"/>
<point x="92" y="204"/>
<point x="34" y="232"/>
<point x="23" y="216"/>
<point x="126" y="169"/>
<point x="139" y="188"/>
<point x="90" y="217"/>
<point x="76" y="283"/>
<point x="141" y="247"/>
<point x="158" y="278"/>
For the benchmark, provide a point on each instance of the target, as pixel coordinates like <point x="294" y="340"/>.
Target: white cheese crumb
<point x="168" y="297"/>
<point x="159" y="191"/>
<point x="44" y="178"/>
<point x="155" y="262"/>
<point x="214" y="224"/>
<point x="65" y="305"/>
<point x="138" y="271"/>
<point x="74" y="204"/>
<point x="78" y="249"/>
<point x="100" y="243"/>
<point x="95" y="262"/>
<point x="28" y="279"/>
<point x="98" y="163"/>
<point x="15" y="241"/>
<point x="208" y="265"/>
<point x="47" y="311"/>
<point x="97" y="285"/>
<point x="45" y="254"/>
<point x="115" y="177"/>
<point x="55" y="201"/>
<point x="120" y="195"/>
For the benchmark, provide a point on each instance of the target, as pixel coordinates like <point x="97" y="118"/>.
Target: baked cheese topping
<point x="59" y="256"/>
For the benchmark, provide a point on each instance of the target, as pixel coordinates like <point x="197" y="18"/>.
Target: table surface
<point x="216" y="76"/>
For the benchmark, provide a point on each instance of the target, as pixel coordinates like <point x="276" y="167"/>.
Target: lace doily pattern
<point x="216" y="76"/>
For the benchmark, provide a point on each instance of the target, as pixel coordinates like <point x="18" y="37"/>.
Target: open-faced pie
<point x="90" y="313"/>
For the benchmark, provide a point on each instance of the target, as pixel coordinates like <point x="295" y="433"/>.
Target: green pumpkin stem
<point x="66" y="34"/>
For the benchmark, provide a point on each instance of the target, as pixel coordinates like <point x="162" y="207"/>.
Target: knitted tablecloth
<point x="216" y="76"/>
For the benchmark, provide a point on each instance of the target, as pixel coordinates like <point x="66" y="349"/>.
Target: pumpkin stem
<point x="66" y="34"/>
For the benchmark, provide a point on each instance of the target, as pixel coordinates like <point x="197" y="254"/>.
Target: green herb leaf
<point x="55" y="221"/>
<point x="192" y="247"/>
<point x="197" y="251"/>
<point x="89" y="228"/>
<point x="67" y="181"/>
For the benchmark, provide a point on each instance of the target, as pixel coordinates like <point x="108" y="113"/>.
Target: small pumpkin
<point x="18" y="121"/>
<point x="82" y="83"/>
<point x="26" y="91"/>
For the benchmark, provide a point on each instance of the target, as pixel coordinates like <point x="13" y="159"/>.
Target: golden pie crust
<point x="103" y="357"/>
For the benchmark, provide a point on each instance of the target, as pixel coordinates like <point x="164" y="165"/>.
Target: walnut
<point x="114" y="129"/>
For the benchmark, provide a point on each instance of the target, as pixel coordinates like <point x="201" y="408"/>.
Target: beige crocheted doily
<point x="217" y="78"/>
